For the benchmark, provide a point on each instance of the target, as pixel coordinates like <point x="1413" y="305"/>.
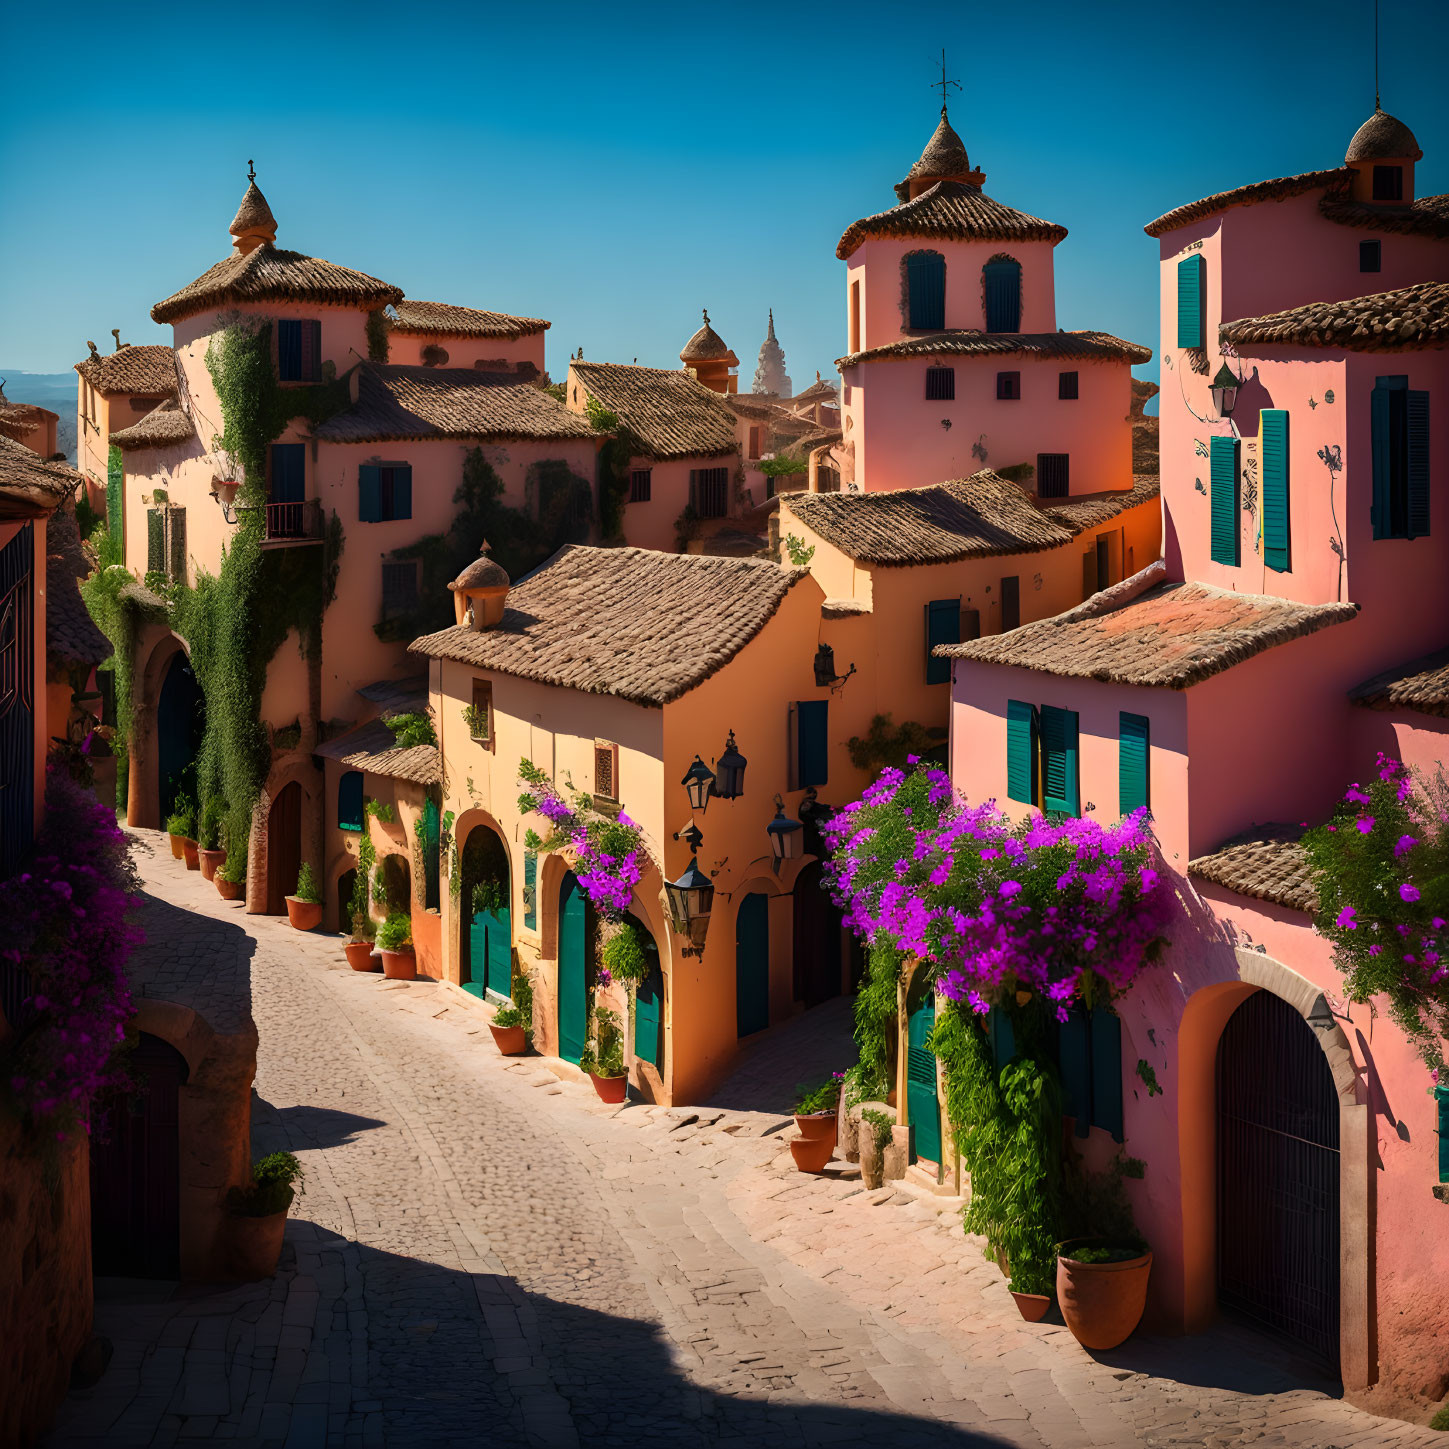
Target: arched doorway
<point x="1001" y="282"/>
<point x="284" y="847"/>
<point x="752" y="964"/>
<point x="573" y="969"/>
<point x="136" y="1168"/>
<point x="180" y="725"/>
<point x="1278" y="1176"/>
<point x="485" y="954"/>
<point x="649" y="1003"/>
<point x="923" y="1109"/>
<point x="816" y="938"/>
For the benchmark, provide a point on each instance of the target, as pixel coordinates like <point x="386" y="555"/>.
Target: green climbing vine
<point x="887" y="744"/>
<point x="875" y="1023"/>
<point x="377" y="338"/>
<point x="621" y="447"/>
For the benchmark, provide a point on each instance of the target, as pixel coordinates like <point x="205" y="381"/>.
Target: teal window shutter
<point x="1105" y="1029"/>
<point x="1191" y="274"/>
<point x="943" y="626"/>
<point x="1021" y="751"/>
<point x="1441" y="1097"/>
<point x="369" y="493"/>
<point x="530" y="890"/>
<point x="349" y="801"/>
<point x="1003" y="1039"/>
<point x="926" y="286"/>
<point x="402" y="490"/>
<point x="648" y="1016"/>
<point x="1273" y="430"/>
<point x="1074" y="1062"/>
<point x="1133" y="753"/>
<point x="1225" y="529"/>
<point x="1001" y="283"/>
<point x="812" y="742"/>
<point x="1418" y="464"/>
<point x="1381" y="419"/>
<point x="432" y="851"/>
<point x="1059" y="760"/>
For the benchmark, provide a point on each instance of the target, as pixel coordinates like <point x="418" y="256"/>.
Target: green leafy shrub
<point x="182" y="820"/>
<point x="1440" y="1420"/>
<point x="395" y="933"/>
<point x="272" y="1188"/>
<point x="624" y="956"/>
<point x="411" y="730"/>
<point x="604" y="1055"/>
<point x="308" y="890"/>
<point x="879" y="1125"/>
<point x="233" y="870"/>
<point x="820" y="1098"/>
<point x="863" y="1084"/>
<point x="885" y="744"/>
<point x="800" y="553"/>
<point x="521" y="1012"/>
<point x="782" y="467"/>
<point x="213" y="818"/>
<point x="1103" y="1255"/>
<point x="488" y="896"/>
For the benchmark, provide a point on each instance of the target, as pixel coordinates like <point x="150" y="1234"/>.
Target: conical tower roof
<point x="253" y="222"/>
<point x="944" y="159"/>
<point x="707" y="346"/>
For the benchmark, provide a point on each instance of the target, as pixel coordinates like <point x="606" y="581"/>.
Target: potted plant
<point x="1102" y="1272"/>
<point x="359" y="950"/>
<point x="181" y="826"/>
<point x="231" y="878"/>
<point x="395" y="941"/>
<point x="304" y="910"/>
<point x="258" y="1214"/>
<point x="210" y="849"/>
<point x="815" y="1108"/>
<point x="603" y="1057"/>
<point x="873" y="1136"/>
<point x="512" y="1026"/>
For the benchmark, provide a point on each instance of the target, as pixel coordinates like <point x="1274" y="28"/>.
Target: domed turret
<point x="708" y="357"/>
<point x="1382" y="155"/>
<point x="253" y="223"/>
<point x="944" y="159"/>
<point x="480" y="592"/>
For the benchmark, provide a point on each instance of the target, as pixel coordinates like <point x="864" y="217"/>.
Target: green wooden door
<point x="752" y="965"/>
<point x="922" y="1107"/>
<point x="572" y="973"/>
<point x="490" y="953"/>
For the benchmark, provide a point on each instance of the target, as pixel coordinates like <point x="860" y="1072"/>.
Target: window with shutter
<point x="399" y="588"/>
<point x="940" y="384"/>
<point x="1417" y="450"/>
<point x="1053" y="475"/>
<point x="288" y="483"/>
<point x="1021" y="751"/>
<point x="369" y="493"/>
<point x="709" y="491"/>
<point x="480" y="722"/>
<point x="395" y="482"/>
<point x="176" y="544"/>
<point x="926" y="290"/>
<point x="1008" y="387"/>
<point x="754" y="442"/>
<point x="1001" y="283"/>
<point x="1224" y="501"/>
<point x="155" y="540"/>
<point x="606" y="770"/>
<point x="1067" y="386"/>
<point x="1273" y="435"/>
<point x="1105" y="1030"/>
<point x="1370" y="256"/>
<point x="1191" y="301"/>
<point x="349" y="801"/>
<point x="1074" y="1065"/>
<point x="943" y="626"/>
<point x="1059" y="760"/>
<point x="289" y="350"/>
<point x="1388" y="183"/>
<point x="641" y="481"/>
<point x="311" y="351"/>
<point x="1001" y="1037"/>
<point x="810" y="743"/>
<point x="1010" y="602"/>
<point x="1133" y="756"/>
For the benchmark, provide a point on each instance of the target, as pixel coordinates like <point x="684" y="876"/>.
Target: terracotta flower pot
<point x="177" y="842"/>
<point x="400" y="965"/>
<point x="1032" y="1306"/>
<point x="512" y="1041"/>
<point x="256" y="1244"/>
<point x="817" y="1124"/>
<point x="229" y="890"/>
<point x="304" y="915"/>
<point x="211" y="862"/>
<point x="359" y="955"/>
<point x="1101" y="1302"/>
<point x="191" y="853"/>
<point x="812" y="1153"/>
<point x="610" y="1089"/>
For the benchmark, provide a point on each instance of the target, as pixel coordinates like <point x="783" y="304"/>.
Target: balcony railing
<point x="286" y="523"/>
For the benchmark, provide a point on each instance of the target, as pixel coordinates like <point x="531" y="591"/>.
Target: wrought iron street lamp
<point x="787" y="837"/>
<point x="698" y="783"/>
<point x="730" y="767"/>
<point x="1225" y="391"/>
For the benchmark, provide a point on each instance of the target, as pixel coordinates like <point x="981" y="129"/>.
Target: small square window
<point x="1370" y="256"/>
<point x="1008" y="386"/>
<point x="1388" y="183"/>
<point x="640" y="482"/>
<point x="1052" y="475"/>
<point x="940" y="384"/>
<point x="399" y="587"/>
<point x="1067" y="386"/>
<point x="606" y="771"/>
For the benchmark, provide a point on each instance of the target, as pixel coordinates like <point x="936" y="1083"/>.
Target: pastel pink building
<point x="1305" y="322"/>
<point x="955" y="361"/>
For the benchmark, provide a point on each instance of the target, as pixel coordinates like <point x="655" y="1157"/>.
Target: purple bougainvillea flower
<point x="1346" y="920"/>
<point x="1365" y="824"/>
<point x="1408" y="892"/>
<point x="1404" y="844"/>
<point x="1374" y="950"/>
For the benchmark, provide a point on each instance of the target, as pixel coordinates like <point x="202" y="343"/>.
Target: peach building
<point x="113" y="391"/>
<point x="28" y="424"/>
<point x="954" y="359"/>
<point x="1305" y="323"/>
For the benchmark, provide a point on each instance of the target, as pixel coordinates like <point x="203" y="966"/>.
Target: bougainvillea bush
<point x="1064" y="906"/>
<point x="67" y="930"/>
<point x="608" y="854"/>
<point x="1382" y="874"/>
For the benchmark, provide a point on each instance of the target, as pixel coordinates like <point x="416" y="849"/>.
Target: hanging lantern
<point x="730" y="780"/>
<point x="787" y="836"/>
<point x="824" y="666"/>
<point x="691" y="897"/>
<point x="698" y="783"/>
<point x="1225" y="391"/>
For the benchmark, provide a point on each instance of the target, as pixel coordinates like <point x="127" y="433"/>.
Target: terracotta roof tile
<point x="631" y="622"/>
<point x="1421" y="684"/>
<point x="165" y="426"/>
<point x="17" y="419"/>
<point x="972" y="517"/>
<point x="398" y="402"/>
<point x="1424" y="216"/>
<point x="411" y="317"/>
<point x="28" y="484"/>
<point x="1409" y="317"/>
<point x="1082" y="346"/>
<point x="269" y="274"/>
<point x="1091" y="510"/>
<point x="1148" y="632"/>
<point x="1278" y="189"/>
<point x="669" y="412"/>
<point x="1267" y="862"/>
<point x="951" y="211"/>
<point x="146" y="371"/>
<point x="373" y="747"/>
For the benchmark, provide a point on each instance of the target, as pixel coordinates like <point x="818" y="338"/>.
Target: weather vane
<point x="251" y="169"/>
<point x="943" y="84"/>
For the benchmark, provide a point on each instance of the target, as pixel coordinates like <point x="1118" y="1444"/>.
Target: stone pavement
<point x="487" y="1254"/>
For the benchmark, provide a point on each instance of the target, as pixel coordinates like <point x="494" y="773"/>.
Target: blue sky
<point x="616" y="168"/>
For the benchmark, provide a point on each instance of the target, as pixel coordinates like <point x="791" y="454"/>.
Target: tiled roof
<point x="1424" y="216"/>
<point x="748" y="405"/>
<point x="428" y="318"/>
<point x="669" y="412"/>
<point x="1381" y="138"/>
<point x="373" y="747"/>
<point x="28" y="484"/>
<point x="1147" y="632"/>
<point x="165" y="426"/>
<point x="817" y="389"/>
<point x="397" y="696"/>
<point x="396" y="402"/>
<point x="71" y="635"/>
<point x="146" y="371"/>
<point x="951" y="211"/>
<point x="631" y="622"/>
<point x="707" y="346"/>
<point x="1080" y="346"/>
<point x="1091" y="510"/>
<point x="843" y="608"/>
<point x="1267" y="862"/>
<point x="1408" y="317"/>
<point x="19" y="418"/>
<point x="1421" y="684"/>
<point x="1278" y="189"/>
<point x="269" y="274"/>
<point x="945" y="155"/>
<point x="970" y="518"/>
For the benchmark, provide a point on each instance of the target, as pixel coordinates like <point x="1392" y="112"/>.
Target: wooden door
<point x="490" y="953"/>
<point x="284" y="848"/>
<point x="180" y="724"/>
<point x="572" y="969"/>
<point x="922" y="1107"/>
<point x="816" y="939"/>
<point x="752" y="964"/>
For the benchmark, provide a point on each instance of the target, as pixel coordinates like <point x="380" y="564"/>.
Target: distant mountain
<point x="53" y="390"/>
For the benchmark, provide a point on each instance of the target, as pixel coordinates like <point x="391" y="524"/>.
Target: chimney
<point x="480" y="593"/>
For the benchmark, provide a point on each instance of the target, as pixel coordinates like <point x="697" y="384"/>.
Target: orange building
<point x="115" y="390"/>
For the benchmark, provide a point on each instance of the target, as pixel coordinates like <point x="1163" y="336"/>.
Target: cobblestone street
<point x="487" y="1254"/>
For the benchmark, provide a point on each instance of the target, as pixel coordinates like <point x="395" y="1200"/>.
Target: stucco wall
<point x="468" y="351"/>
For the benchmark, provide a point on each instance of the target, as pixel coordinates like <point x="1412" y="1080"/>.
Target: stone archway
<point x="1207" y="1013"/>
<point x="485" y="913"/>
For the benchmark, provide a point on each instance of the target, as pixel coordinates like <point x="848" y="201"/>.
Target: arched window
<point x="926" y="290"/>
<point x="1001" y="278"/>
<point x="349" y="801"/>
